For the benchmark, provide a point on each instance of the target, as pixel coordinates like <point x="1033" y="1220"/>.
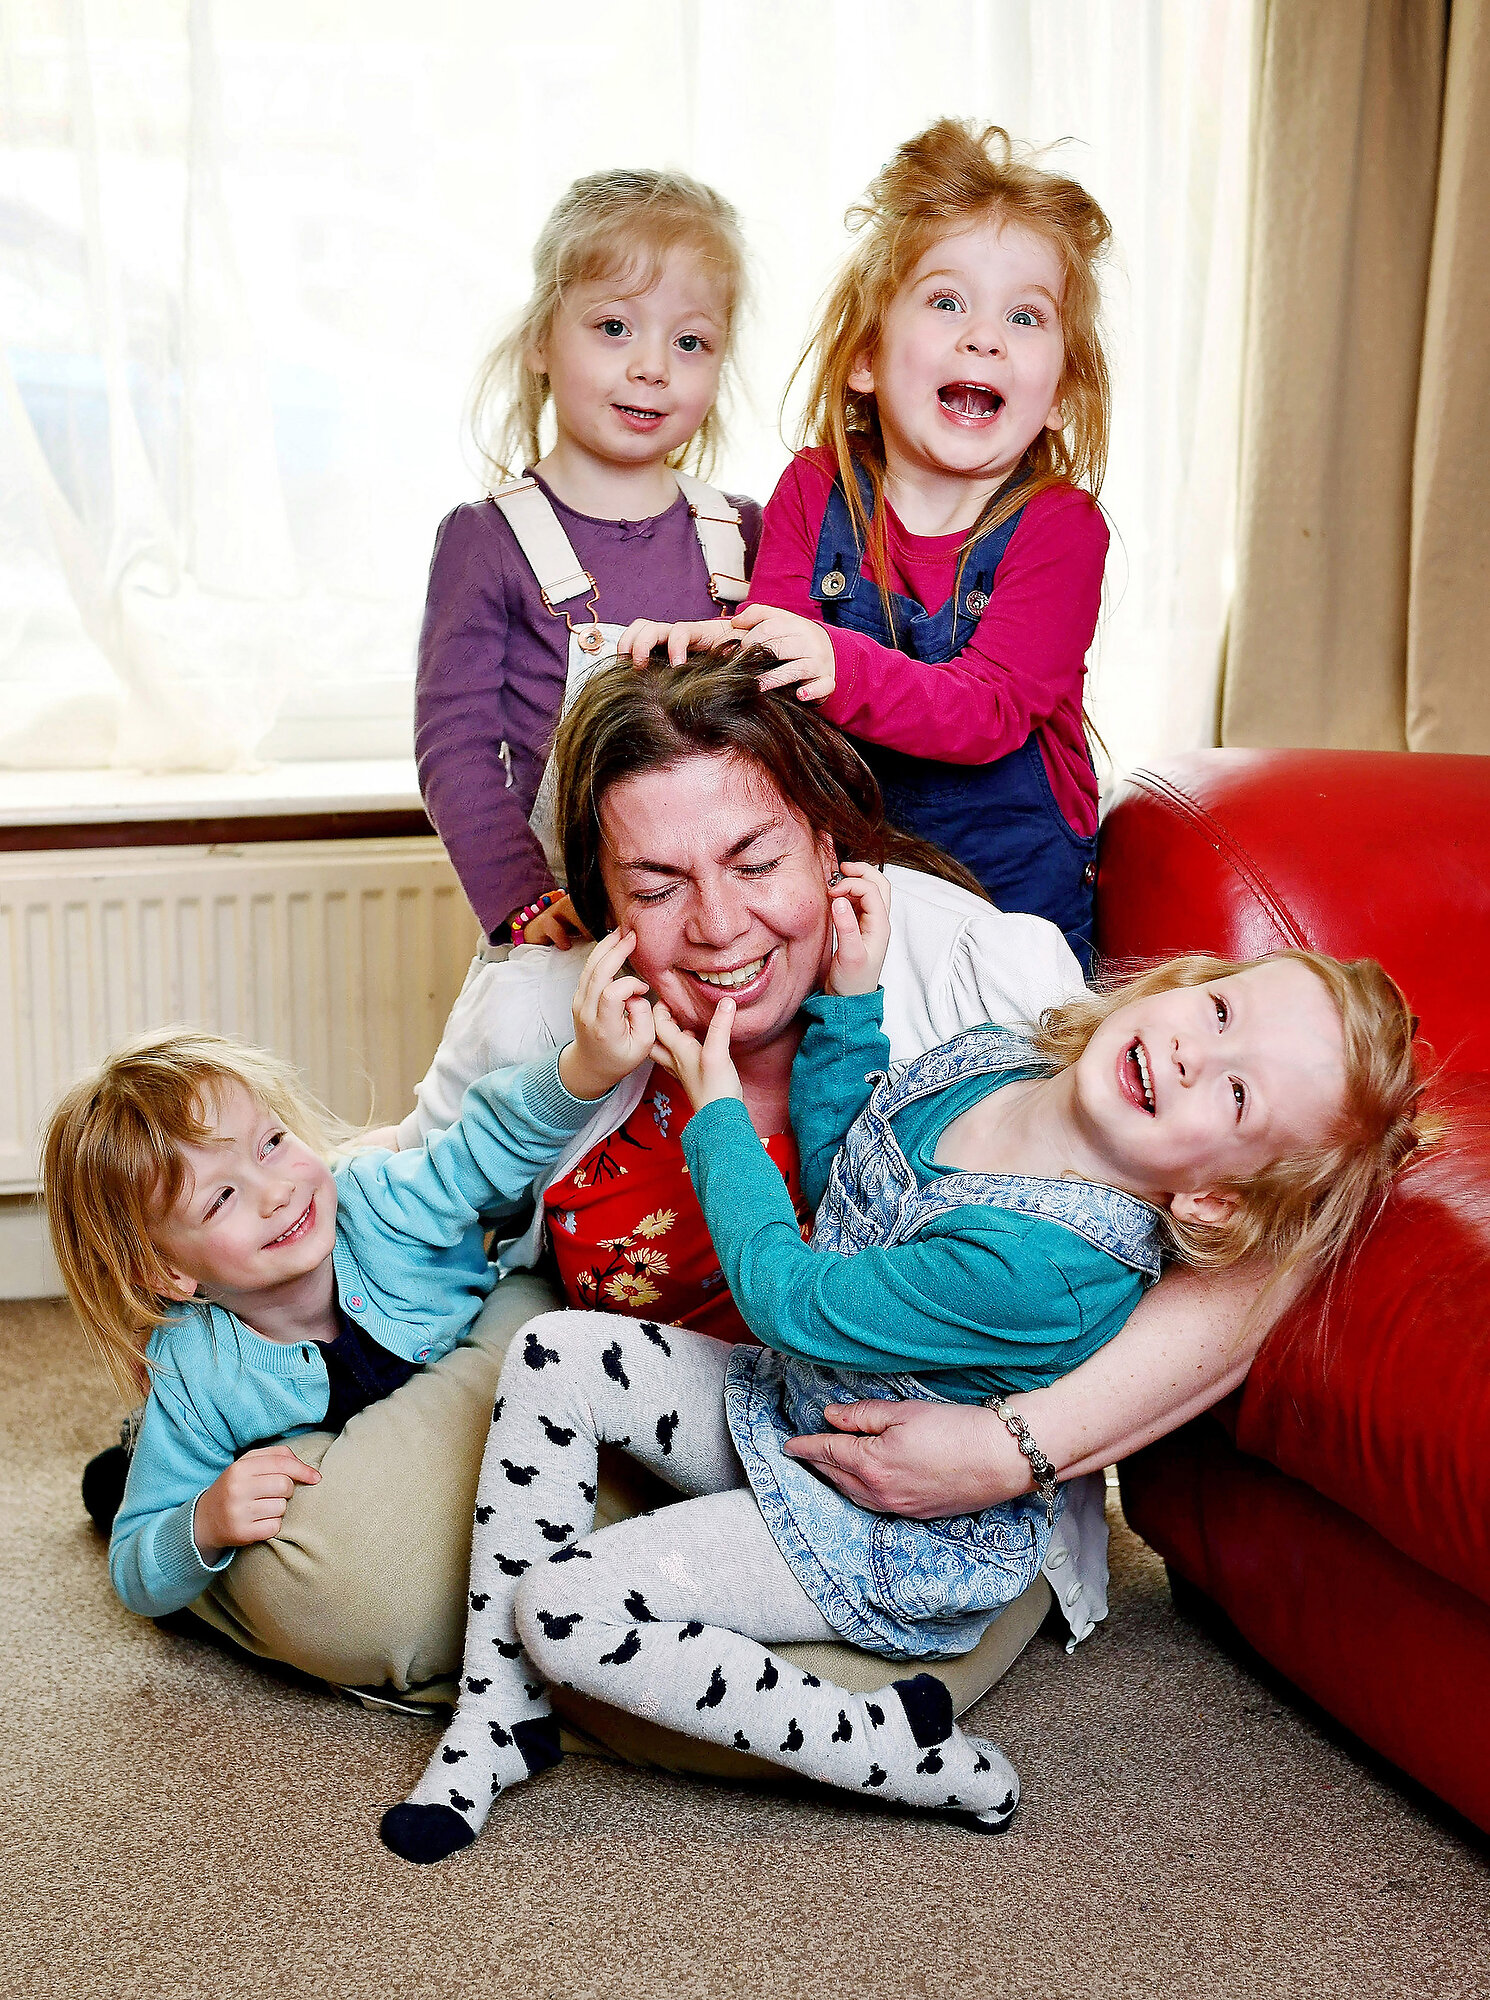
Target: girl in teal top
<point x="978" y="1281"/>
<point x="216" y="1260"/>
<point x="989" y="1214"/>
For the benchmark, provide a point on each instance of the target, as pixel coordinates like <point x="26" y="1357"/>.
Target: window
<point x="253" y="253"/>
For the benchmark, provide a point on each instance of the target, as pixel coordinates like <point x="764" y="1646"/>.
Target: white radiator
<point x="344" y="955"/>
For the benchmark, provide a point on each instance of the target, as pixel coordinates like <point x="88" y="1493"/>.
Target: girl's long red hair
<point x="953" y="176"/>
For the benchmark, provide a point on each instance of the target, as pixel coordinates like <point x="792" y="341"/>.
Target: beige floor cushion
<point x="365" y="1585"/>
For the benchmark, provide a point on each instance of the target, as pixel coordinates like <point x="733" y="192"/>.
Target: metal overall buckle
<point x="588" y="634"/>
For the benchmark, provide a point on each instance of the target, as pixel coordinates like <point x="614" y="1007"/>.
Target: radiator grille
<point x="345" y="956"/>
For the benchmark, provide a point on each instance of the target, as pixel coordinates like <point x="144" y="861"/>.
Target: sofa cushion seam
<point x="1165" y="791"/>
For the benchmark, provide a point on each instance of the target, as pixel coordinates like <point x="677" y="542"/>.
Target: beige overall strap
<point x="717" y="526"/>
<point x="556" y="568"/>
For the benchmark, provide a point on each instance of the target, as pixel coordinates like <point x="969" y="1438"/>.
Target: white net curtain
<point x="251" y="253"/>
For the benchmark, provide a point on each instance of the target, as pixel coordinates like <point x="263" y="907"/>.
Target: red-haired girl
<point x="931" y="562"/>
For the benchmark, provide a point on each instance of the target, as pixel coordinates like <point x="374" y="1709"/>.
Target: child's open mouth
<point x="638" y="419"/>
<point x="1133" y="1072"/>
<point x="970" y="402"/>
<point x="296" y="1229"/>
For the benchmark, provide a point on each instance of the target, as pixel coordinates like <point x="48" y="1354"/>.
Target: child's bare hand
<point x="860" y="902"/>
<point x="800" y="644"/>
<point x="558" y="925"/>
<point x="613" y="1029"/>
<point x="247" y="1502"/>
<point x="691" y="636"/>
<point x="704" y="1068"/>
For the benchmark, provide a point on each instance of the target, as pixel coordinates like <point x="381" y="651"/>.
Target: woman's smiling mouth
<point x="298" y="1229"/>
<point x="741" y="982"/>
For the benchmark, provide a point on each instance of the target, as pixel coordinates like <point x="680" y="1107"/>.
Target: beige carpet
<point x="174" y="1823"/>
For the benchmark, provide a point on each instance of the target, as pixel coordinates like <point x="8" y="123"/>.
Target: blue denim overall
<point x="917" y="1589"/>
<point x="1001" y="819"/>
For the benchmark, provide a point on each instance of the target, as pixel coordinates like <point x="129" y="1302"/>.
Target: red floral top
<point x="627" y="1230"/>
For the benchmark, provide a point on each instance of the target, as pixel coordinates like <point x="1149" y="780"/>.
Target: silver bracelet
<point x="1046" y="1484"/>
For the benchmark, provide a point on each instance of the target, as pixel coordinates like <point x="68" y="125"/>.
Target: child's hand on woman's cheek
<point x="247" y="1502"/>
<point x="859" y="898"/>
<point x="704" y="1068"/>
<point x="613" y="1029"/>
<point x="800" y="644"/>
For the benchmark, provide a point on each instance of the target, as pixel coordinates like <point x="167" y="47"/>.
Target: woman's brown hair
<point x="627" y="720"/>
<point x="956" y="175"/>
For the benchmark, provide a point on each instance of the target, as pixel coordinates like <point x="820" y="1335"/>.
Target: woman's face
<point x="726" y="889"/>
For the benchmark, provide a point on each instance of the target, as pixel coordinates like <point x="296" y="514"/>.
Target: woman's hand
<point x="802" y="646"/>
<point x="1188" y="1343"/>
<point x="860" y="902"/>
<point x="922" y="1460"/>
<point x="613" y="1030"/>
<point x="704" y="1068"/>
<point x="558" y="925"/>
<point x="637" y="642"/>
<point x="246" y="1503"/>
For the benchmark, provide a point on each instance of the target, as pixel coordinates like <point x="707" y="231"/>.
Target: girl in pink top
<point x="931" y="562"/>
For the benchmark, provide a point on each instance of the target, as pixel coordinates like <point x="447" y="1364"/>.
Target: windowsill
<point x="355" y="799"/>
<point x="83" y="798"/>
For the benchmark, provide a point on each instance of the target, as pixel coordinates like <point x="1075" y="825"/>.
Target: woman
<point x="710" y="818"/>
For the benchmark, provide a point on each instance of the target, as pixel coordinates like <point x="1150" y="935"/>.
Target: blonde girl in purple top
<point x="638" y="284"/>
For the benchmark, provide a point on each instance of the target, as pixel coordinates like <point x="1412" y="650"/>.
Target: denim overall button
<point x="833" y="583"/>
<point x="975" y="603"/>
<point x="590" y="638"/>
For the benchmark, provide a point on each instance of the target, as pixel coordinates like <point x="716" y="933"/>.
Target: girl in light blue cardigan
<point x="216" y="1260"/>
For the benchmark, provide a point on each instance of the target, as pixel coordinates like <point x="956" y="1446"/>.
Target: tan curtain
<point x="1361" y="616"/>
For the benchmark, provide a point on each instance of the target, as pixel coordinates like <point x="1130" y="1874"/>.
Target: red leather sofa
<point x="1337" y="1508"/>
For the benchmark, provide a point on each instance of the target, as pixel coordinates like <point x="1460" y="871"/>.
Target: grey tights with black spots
<point x="664" y="1615"/>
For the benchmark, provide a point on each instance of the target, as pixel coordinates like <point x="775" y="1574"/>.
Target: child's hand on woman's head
<point x="637" y="642"/>
<point x="860" y="902"/>
<point x="613" y="1030"/>
<point x="802" y="647"/>
<point x="247" y="1502"/>
<point x="704" y="1068"/>
<point x="800" y="644"/>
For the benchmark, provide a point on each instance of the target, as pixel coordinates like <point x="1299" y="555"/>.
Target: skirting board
<point x="28" y="1269"/>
